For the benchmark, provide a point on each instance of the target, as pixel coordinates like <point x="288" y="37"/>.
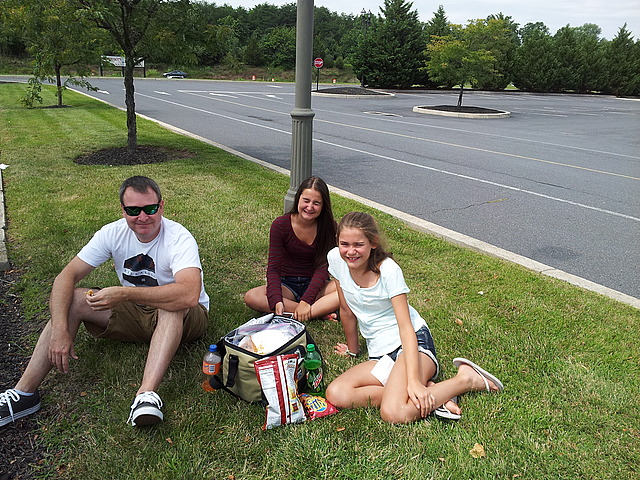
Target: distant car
<point x="175" y="74"/>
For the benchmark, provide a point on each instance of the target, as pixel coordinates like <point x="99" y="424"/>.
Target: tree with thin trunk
<point x="136" y="26"/>
<point x="453" y="62"/>
<point x="62" y="44"/>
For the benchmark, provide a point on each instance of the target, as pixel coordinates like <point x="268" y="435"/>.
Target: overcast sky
<point x="555" y="14"/>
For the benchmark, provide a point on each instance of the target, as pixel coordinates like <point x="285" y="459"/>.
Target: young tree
<point x="453" y="62"/>
<point x="58" y="40"/>
<point x="497" y="35"/>
<point x="140" y="28"/>
<point x="435" y="28"/>
<point x="393" y="50"/>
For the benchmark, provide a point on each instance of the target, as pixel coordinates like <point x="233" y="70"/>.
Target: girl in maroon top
<point x="297" y="271"/>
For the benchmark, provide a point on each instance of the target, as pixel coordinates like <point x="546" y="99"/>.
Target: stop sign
<point x="318" y="63"/>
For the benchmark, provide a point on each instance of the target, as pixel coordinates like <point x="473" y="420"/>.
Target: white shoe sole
<point x="147" y="415"/>
<point x="17" y="416"/>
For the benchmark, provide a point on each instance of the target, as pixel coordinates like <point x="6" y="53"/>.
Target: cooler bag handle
<point x="234" y="361"/>
<point x="216" y="381"/>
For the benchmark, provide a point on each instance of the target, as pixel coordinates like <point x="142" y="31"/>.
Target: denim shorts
<point x="425" y="345"/>
<point x="297" y="285"/>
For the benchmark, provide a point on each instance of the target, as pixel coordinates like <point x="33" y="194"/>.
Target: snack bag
<point x="277" y="377"/>
<point x="316" y="407"/>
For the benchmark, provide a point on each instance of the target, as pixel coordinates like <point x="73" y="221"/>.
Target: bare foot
<point x="453" y="407"/>
<point x="477" y="382"/>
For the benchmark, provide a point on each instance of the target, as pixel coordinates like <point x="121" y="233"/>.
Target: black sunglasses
<point x="148" y="209"/>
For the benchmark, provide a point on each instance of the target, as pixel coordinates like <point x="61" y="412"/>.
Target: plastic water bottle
<point x="313" y="365"/>
<point x="210" y="367"/>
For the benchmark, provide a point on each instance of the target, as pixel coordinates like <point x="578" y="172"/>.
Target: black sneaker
<point x="14" y="406"/>
<point x="145" y="410"/>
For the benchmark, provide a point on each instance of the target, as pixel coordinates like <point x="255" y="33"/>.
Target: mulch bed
<point x="19" y="445"/>
<point x="349" y="91"/>
<point x="461" y="109"/>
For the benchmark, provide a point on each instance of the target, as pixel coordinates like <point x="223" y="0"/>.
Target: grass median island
<point x="569" y="359"/>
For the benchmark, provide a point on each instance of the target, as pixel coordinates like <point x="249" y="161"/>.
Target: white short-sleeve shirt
<point x="141" y="264"/>
<point x="372" y="305"/>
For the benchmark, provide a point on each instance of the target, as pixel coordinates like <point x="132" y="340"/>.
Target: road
<point x="558" y="182"/>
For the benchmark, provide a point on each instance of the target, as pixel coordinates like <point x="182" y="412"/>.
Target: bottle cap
<point x="311" y="347"/>
<point x="213" y="348"/>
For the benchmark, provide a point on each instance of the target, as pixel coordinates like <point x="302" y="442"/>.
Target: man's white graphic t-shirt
<point x="145" y="264"/>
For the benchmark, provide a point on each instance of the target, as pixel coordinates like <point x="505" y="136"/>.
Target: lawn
<point x="569" y="358"/>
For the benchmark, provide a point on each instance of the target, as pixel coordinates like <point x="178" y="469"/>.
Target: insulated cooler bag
<point x="259" y="338"/>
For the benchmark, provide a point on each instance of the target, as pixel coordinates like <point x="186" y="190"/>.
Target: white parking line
<point x="214" y="94"/>
<point x="547" y="114"/>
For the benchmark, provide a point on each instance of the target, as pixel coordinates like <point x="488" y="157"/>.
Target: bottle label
<point x="314" y="380"/>
<point x="211" y="368"/>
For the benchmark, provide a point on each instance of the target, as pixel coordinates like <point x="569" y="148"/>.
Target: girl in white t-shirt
<point x="398" y="377"/>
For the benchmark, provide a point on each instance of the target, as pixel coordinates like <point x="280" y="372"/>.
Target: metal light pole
<point x="365" y="18"/>
<point x="302" y="115"/>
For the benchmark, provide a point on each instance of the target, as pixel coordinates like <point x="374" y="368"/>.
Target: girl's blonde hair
<point x="368" y="226"/>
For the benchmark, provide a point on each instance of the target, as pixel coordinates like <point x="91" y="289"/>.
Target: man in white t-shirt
<point x="161" y="301"/>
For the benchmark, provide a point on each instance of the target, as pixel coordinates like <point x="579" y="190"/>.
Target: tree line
<point x="388" y="49"/>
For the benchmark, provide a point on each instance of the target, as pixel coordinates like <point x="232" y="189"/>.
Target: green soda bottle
<point x="313" y="365"/>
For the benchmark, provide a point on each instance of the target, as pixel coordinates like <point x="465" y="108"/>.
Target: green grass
<point x="570" y="359"/>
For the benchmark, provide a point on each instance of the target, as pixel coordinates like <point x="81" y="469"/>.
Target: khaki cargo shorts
<point x="130" y="322"/>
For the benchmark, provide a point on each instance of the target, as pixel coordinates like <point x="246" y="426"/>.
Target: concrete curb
<point x="431" y="228"/>
<point x="4" y="259"/>
<point x="428" y="111"/>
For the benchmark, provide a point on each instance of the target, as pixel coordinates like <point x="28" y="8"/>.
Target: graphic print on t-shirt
<point x="140" y="271"/>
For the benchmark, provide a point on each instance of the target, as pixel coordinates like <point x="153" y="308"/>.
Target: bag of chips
<point x="277" y="377"/>
<point x="316" y="407"/>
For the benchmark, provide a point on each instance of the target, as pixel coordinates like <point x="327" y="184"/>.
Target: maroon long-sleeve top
<point x="291" y="257"/>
